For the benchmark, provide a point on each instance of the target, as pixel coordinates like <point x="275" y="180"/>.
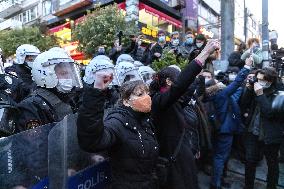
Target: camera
<point x="252" y="81"/>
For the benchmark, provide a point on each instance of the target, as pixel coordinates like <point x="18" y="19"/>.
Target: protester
<point x="188" y="44"/>
<point x="167" y="88"/>
<point x="235" y="57"/>
<point x="156" y="51"/>
<point x="228" y="115"/>
<point x="264" y="128"/>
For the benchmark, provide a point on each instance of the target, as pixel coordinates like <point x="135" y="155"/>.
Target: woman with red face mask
<point x="127" y="132"/>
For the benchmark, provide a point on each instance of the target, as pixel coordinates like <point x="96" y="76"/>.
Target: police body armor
<point x="60" y="109"/>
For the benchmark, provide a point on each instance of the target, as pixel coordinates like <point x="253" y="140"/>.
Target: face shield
<point x="68" y="75"/>
<point x="147" y="78"/>
<point x="132" y="75"/>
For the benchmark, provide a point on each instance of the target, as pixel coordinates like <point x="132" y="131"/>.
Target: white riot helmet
<point x="124" y="58"/>
<point x="146" y="73"/>
<point x="138" y="64"/>
<point x="104" y="57"/>
<point x="55" y="69"/>
<point x="58" y="49"/>
<point x="26" y="53"/>
<point x="126" y="71"/>
<point x="95" y="65"/>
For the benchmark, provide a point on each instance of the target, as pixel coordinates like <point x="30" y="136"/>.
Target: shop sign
<point x="151" y="32"/>
<point x="206" y="32"/>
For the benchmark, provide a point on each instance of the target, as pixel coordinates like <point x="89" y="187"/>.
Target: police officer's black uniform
<point x="23" y="72"/>
<point x="13" y="87"/>
<point x="43" y="106"/>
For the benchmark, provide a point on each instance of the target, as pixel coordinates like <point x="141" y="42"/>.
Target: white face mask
<point x="64" y="85"/>
<point x="30" y="64"/>
<point x="264" y="84"/>
<point x="199" y="44"/>
<point x="175" y="42"/>
<point x="139" y="43"/>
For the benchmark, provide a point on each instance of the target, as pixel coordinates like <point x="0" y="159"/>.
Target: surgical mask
<point x="139" y="43"/>
<point x="29" y="64"/>
<point x="175" y="42"/>
<point x="199" y="45"/>
<point x="189" y="41"/>
<point x="65" y="85"/>
<point x="142" y="104"/>
<point x="162" y="39"/>
<point x="264" y="84"/>
<point x="232" y="77"/>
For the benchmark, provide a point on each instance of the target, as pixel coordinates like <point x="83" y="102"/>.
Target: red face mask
<point x="142" y="104"/>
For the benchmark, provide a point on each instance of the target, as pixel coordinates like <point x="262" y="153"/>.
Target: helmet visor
<point x="69" y="71"/>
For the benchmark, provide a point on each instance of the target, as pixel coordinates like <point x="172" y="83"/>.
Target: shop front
<point x="152" y="20"/>
<point x="63" y="33"/>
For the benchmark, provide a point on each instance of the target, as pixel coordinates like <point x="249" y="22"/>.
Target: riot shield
<point x="23" y="158"/>
<point x="69" y="166"/>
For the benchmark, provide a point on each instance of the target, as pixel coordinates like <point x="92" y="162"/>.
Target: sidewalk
<point x="236" y="176"/>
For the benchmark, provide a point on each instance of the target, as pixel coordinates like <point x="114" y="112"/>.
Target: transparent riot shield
<point x="69" y="166"/>
<point x="23" y="158"/>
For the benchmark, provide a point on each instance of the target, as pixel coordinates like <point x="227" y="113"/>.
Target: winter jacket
<point x="271" y="124"/>
<point x="157" y="48"/>
<point x="257" y="56"/>
<point x="226" y="107"/>
<point x="235" y="60"/>
<point x="127" y="136"/>
<point x="169" y="120"/>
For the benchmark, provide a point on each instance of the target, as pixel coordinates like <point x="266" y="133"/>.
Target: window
<point x="25" y="17"/>
<point x="33" y="13"/>
<point x="46" y="8"/>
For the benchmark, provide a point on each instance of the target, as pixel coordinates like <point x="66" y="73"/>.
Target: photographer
<point x="264" y="130"/>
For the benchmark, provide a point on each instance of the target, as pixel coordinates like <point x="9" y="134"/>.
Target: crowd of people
<point x="158" y="128"/>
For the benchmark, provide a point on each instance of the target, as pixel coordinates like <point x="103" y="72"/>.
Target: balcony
<point x="9" y="7"/>
<point x="10" y="24"/>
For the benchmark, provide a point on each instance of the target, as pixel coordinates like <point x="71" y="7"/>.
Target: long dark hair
<point x="160" y="78"/>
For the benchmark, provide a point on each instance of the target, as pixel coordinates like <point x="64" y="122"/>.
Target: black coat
<point x="235" y="60"/>
<point x="169" y="119"/>
<point x="272" y="124"/>
<point x="22" y="72"/>
<point x="127" y="135"/>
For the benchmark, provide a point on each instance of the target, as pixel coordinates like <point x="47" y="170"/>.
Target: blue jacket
<point x="226" y="106"/>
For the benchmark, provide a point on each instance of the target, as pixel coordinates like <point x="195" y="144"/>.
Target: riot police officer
<point x="55" y="75"/>
<point x="21" y="68"/>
